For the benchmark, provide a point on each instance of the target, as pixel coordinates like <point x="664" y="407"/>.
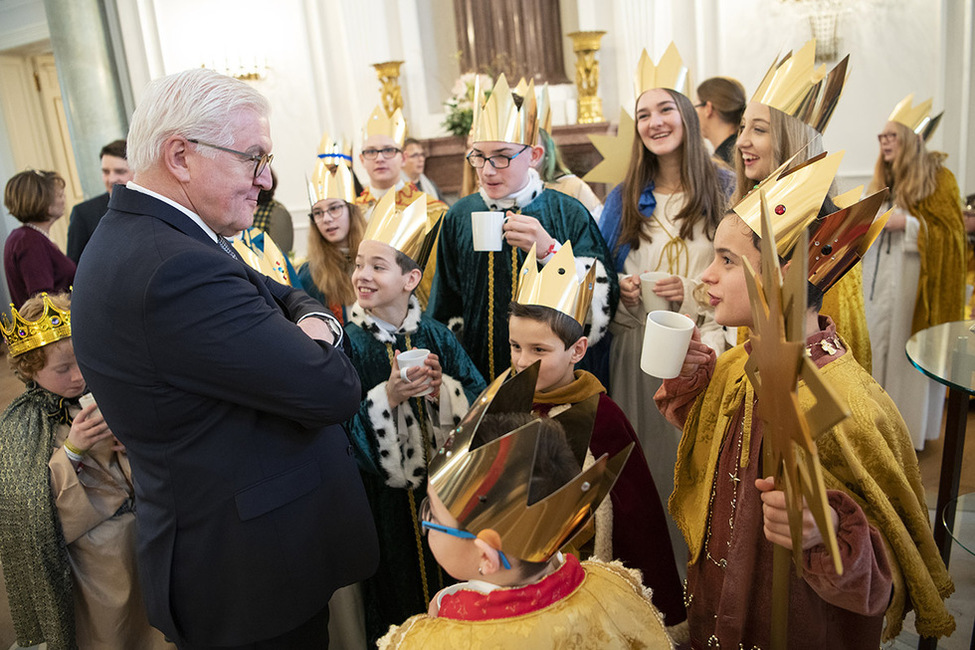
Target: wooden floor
<point x="929" y="460"/>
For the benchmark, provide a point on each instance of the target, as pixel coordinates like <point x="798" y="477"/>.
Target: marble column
<point x="89" y="80"/>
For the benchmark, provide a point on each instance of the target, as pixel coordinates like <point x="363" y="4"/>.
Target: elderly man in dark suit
<point x="226" y="388"/>
<point x="86" y="215"/>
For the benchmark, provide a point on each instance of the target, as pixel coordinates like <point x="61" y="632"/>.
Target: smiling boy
<point x="546" y="326"/>
<point x="731" y="516"/>
<point x="471" y="290"/>
<point x="397" y="425"/>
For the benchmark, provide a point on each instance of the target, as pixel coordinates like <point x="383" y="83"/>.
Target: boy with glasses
<point x="472" y="291"/>
<point x="382" y="156"/>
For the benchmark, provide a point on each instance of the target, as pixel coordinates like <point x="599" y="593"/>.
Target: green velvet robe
<point x="460" y="297"/>
<point x="389" y="448"/>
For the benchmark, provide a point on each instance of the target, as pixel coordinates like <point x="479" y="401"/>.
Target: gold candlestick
<point x="389" y="88"/>
<point x="585" y="45"/>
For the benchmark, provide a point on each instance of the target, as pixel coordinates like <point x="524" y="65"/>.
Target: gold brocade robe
<point x="869" y="456"/>
<point x="609" y="610"/>
<point x="942" y="245"/>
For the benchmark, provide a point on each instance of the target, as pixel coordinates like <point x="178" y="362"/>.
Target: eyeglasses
<point x="498" y="161"/>
<point x="418" y="154"/>
<point x="886" y="137"/>
<point x="425" y="516"/>
<point x="387" y="152"/>
<point x="260" y="160"/>
<point x="334" y="211"/>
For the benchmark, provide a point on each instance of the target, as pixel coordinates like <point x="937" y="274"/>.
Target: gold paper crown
<point x="796" y="87"/>
<point x="333" y="176"/>
<point x="381" y="123"/>
<point x="544" y="104"/>
<point x="670" y="72"/>
<point x="796" y="195"/>
<point x="499" y="119"/>
<point x="557" y="285"/>
<point x="25" y="335"/>
<point x="917" y="118"/>
<point x="411" y="231"/>
<point x="486" y="485"/>
<point x="843" y="238"/>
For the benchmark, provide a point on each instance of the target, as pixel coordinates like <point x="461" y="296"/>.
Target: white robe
<point x="891" y="269"/>
<point x="630" y="387"/>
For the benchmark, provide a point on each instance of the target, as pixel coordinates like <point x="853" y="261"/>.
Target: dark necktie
<point x="227" y="248"/>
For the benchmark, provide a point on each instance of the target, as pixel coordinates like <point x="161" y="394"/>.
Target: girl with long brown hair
<point x="661" y="218"/>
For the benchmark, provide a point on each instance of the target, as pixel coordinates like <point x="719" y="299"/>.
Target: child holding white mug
<point x="406" y="409"/>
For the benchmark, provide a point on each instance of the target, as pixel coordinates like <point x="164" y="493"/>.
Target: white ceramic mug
<point x="411" y="359"/>
<point x="487" y="228"/>
<point x="651" y="301"/>
<point x="665" y="343"/>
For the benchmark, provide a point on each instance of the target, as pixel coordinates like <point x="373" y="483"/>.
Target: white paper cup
<point x="487" y="230"/>
<point x="411" y="359"/>
<point x="665" y="343"/>
<point x="87" y="399"/>
<point x="651" y="301"/>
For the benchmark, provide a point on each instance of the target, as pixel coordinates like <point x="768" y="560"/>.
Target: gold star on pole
<point x="615" y="150"/>
<point x="776" y="364"/>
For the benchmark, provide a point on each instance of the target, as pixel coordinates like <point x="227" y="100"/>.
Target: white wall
<point x="320" y="54"/>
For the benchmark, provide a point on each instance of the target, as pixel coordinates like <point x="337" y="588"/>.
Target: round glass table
<point x="946" y="354"/>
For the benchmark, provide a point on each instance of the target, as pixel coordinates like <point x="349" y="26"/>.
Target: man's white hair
<point x="196" y="104"/>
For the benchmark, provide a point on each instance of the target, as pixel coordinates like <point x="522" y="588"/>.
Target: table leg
<point x="944" y="512"/>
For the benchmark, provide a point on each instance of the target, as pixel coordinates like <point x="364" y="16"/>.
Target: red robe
<point x="640" y="537"/>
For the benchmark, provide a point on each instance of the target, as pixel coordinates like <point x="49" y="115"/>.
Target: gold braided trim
<point x="414" y="514"/>
<point x="491" y="315"/>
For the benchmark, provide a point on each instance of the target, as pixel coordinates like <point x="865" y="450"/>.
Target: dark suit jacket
<point x="250" y="509"/>
<point x="84" y="218"/>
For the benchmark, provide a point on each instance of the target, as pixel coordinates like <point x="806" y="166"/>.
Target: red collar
<point x="468" y="605"/>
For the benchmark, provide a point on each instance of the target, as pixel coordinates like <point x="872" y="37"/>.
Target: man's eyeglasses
<point x="260" y="160"/>
<point x="418" y="154"/>
<point x="886" y="137"/>
<point x="498" y="161"/>
<point x="387" y="152"/>
<point x="334" y="211"/>
<point x="425" y="522"/>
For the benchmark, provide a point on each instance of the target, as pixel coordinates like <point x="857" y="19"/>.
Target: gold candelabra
<point x="585" y="45"/>
<point x="389" y="88"/>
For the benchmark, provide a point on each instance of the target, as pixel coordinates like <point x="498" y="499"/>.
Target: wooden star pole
<point x="775" y="366"/>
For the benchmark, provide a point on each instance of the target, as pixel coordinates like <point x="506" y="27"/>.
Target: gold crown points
<point x="486" y="486"/>
<point x="334" y="151"/>
<point x="843" y="238"/>
<point x="411" y="230"/>
<point x="669" y="72"/>
<point x="557" y="285"/>
<point x="499" y="119"/>
<point x="795" y="86"/>
<point x="916" y="118"/>
<point x="23" y="335"/>
<point x="795" y="194"/>
<point x="382" y="123"/>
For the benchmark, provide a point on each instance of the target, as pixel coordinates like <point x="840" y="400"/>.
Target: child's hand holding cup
<point x="412" y="359"/>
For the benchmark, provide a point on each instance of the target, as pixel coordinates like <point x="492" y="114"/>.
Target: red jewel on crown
<point x="780" y="209"/>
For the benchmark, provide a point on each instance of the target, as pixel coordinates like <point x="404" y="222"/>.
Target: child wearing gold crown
<point x="67" y="534"/>
<point x="546" y="325"/>
<point x="731" y="516"/>
<point x="505" y="494"/>
<point x="404" y="409"/>
<point x="472" y="289"/>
